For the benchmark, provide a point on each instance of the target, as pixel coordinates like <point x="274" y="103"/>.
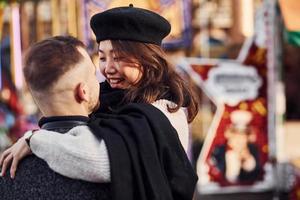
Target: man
<point x="62" y="80"/>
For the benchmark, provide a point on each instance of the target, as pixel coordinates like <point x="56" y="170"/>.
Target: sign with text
<point x="233" y="82"/>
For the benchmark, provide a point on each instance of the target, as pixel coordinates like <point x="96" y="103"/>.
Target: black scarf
<point x="146" y="157"/>
<point x="113" y="98"/>
<point x="110" y="98"/>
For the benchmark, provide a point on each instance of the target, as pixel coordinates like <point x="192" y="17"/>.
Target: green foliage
<point x="292" y="37"/>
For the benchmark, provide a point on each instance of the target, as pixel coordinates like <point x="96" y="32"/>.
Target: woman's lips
<point x="115" y="80"/>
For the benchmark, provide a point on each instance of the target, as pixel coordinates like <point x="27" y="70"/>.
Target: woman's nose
<point x="110" y="67"/>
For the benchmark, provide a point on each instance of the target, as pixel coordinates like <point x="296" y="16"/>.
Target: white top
<point x="178" y="120"/>
<point x="78" y="154"/>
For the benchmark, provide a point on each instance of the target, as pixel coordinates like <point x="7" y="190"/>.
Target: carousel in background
<point x="239" y="146"/>
<point x="249" y="148"/>
<point x="22" y="23"/>
<point x="15" y="117"/>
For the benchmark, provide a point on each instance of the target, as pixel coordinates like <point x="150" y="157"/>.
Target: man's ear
<point x="81" y="93"/>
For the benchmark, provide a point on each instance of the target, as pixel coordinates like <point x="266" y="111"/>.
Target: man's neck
<point x="61" y="105"/>
<point x="63" y="112"/>
<point x="52" y="113"/>
<point x="56" y="109"/>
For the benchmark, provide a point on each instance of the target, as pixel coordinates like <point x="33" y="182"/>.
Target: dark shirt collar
<point x="62" y="121"/>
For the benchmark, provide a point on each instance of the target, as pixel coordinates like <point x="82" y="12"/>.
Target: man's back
<point x="36" y="181"/>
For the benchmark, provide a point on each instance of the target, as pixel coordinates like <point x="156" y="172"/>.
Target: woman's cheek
<point x="133" y="74"/>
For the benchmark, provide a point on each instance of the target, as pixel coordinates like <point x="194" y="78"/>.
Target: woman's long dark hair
<point x="159" y="79"/>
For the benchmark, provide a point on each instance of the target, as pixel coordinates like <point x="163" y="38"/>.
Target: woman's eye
<point x="118" y="59"/>
<point x="102" y="59"/>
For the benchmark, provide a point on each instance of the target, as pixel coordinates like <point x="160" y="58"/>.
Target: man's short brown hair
<point x="47" y="60"/>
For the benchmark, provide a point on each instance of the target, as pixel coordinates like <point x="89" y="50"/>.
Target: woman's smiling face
<point x="118" y="71"/>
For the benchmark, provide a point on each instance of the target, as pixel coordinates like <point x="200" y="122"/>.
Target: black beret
<point x="130" y="23"/>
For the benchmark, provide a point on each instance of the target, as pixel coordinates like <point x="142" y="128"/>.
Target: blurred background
<point x="241" y="57"/>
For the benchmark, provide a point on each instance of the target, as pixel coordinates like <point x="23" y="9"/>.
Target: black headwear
<point x="130" y="23"/>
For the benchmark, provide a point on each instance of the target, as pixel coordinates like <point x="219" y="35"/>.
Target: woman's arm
<point x="77" y="154"/>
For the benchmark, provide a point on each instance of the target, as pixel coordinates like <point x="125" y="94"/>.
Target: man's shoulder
<point x="36" y="180"/>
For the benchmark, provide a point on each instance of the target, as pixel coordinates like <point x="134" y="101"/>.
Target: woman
<point x="136" y="70"/>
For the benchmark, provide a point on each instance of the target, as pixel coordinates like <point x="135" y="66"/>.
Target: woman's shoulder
<point x="163" y="104"/>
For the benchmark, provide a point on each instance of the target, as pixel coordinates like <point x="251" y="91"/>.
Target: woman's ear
<point x="81" y="93"/>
